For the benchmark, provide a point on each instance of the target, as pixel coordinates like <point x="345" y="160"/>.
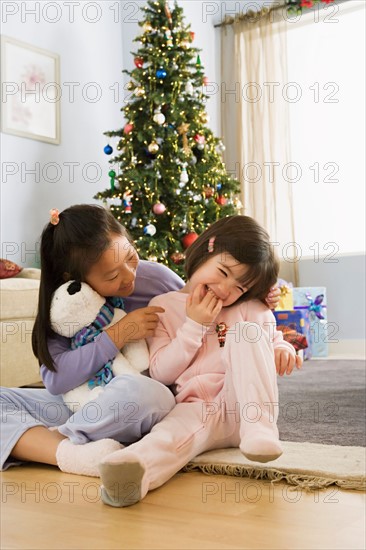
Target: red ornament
<point x="128" y="128"/>
<point x="306" y="3"/>
<point x="192" y="35"/>
<point x="221" y="200"/>
<point x="139" y="62"/>
<point x="189" y="239"/>
<point x="199" y="138"/>
<point x="206" y="80"/>
<point x="327" y="1"/>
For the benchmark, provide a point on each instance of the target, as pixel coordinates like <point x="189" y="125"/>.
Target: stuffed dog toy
<point x="80" y="313"/>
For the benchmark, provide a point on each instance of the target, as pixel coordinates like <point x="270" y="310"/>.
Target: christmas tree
<point x="168" y="181"/>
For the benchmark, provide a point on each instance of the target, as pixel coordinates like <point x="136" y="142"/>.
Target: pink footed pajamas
<point x="226" y="396"/>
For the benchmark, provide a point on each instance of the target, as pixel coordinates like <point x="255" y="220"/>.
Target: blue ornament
<point x="161" y="73"/>
<point x="108" y="150"/>
<point x="219" y="186"/>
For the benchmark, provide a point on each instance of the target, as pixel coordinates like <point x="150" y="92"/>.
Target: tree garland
<point x="295" y="7"/>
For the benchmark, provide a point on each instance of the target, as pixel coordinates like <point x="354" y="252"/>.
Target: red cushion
<point x="8" y="269"/>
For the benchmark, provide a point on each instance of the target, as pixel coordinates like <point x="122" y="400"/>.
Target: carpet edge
<point x="299" y="480"/>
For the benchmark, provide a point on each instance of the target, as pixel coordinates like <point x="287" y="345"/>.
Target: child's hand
<point x="285" y="361"/>
<point x="273" y="297"/>
<point x="136" y="325"/>
<point x="203" y="307"/>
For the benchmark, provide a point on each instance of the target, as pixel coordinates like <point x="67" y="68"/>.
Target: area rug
<point x="309" y="466"/>
<point x="322" y="428"/>
<point x="324" y="402"/>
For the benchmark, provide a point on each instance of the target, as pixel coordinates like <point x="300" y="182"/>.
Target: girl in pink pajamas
<point x="217" y="345"/>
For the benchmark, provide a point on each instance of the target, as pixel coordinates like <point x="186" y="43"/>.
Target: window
<point x="326" y="64"/>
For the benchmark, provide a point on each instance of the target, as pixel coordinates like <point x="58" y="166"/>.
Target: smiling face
<point x="114" y="273"/>
<point x="220" y="274"/>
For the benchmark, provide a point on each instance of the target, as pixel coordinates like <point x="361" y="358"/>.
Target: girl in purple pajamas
<point x="86" y="243"/>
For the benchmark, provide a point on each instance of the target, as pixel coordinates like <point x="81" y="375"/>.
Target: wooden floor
<point x="42" y="507"/>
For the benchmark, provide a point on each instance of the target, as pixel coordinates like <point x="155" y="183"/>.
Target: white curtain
<point x="255" y="124"/>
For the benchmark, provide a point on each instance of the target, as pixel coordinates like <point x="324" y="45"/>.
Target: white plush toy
<point x="75" y="306"/>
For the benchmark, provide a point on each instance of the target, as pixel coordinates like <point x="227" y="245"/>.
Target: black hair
<point x="246" y="241"/>
<point x="68" y="250"/>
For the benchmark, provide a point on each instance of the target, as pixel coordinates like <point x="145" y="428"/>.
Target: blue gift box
<point x="313" y="299"/>
<point x="297" y="321"/>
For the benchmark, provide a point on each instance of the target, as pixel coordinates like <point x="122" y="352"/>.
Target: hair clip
<point x="211" y="243"/>
<point x="55" y="216"/>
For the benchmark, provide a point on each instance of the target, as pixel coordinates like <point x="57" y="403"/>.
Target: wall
<point x="90" y="52"/>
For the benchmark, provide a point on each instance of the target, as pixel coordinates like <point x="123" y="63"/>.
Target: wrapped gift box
<point x="314" y="301"/>
<point x="295" y="326"/>
<point x="286" y="302"/>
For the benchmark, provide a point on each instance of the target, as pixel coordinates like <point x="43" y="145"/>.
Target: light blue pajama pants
<point x="127" y="410"/>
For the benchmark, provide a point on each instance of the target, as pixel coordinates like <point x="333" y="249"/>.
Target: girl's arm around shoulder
<point x="74" y="367"/>
<point x="176" y="341"/>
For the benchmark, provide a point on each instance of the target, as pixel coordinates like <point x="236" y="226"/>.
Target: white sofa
<point x="18" y="307"/>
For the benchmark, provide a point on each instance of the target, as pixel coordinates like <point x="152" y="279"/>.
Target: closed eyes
<point x="241" y="289"/>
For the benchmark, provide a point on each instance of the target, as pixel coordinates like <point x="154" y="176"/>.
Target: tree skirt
<point x="310" y="466"/>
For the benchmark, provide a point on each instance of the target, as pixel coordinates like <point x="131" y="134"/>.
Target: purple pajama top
<point x="74" y="367"/>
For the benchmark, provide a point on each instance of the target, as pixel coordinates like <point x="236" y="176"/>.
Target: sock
<point x="124" y="480"/>
<point x="84" y="459"/>
<point x="261" y="447"/>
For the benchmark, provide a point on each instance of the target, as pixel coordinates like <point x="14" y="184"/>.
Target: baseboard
<point x="346" y="349"/>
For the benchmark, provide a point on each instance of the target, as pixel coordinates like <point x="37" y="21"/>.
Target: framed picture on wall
<point x="31" y="92"/>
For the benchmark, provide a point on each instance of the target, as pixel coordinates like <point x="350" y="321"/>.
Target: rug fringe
<point x="304" y="481"/>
